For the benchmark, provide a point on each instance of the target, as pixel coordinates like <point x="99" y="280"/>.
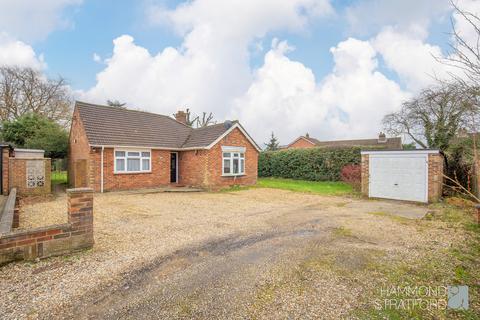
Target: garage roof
<point x="416" y="151"/>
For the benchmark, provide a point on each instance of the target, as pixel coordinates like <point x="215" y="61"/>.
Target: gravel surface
<point x="257" y="253"/>
<point x="40" y="212"/>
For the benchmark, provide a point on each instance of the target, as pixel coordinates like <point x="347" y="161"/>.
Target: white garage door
<point x="400" y="177"/>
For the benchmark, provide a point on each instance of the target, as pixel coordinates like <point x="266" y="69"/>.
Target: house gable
<point x="301" y="142"/>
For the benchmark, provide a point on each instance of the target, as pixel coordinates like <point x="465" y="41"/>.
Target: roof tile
<point x="113" y="126"/>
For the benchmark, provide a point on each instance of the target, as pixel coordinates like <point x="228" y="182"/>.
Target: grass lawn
<point x="59" y="177"/>
<point x="320" y="187"/>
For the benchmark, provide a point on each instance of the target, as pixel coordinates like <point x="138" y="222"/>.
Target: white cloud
<point x="96" y="57"/>
<point x="411" y="58"/>
<point x="370" y="16"/>
<point x="15" y="52"/>
<point x="348" y="103"/>
<point x="212" y="65"/>
<point x="211" y="71"/>
<point x="33" y="20"/>
<point x="464" y="28"/>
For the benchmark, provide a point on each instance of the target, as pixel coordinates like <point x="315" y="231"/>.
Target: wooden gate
<point x="80" y="174"/>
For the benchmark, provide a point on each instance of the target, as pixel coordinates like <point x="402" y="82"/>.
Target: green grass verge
<point x="59" y="177"/>
<point x="320" y="187"/>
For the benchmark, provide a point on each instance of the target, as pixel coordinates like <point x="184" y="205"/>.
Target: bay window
<point x="132" y="161"/>
<point x="233" y="161"/>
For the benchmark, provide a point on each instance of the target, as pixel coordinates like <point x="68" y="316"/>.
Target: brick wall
<point x="301" y="144"/>
<point x="204" y="167"/>
<point x="5" y="171"/>
<point x="196" y="168"/>
<point x="365" y="174"/>
<point x="18" y="176"/>
<point x="159" y="176"/>
<point x="435" y="177"/>
<point x="192" y="167"/>
<point x="53" y="240"/>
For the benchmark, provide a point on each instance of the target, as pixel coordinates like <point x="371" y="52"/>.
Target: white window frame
<point x="126" y="157"/>
<point x="232" y="150"/>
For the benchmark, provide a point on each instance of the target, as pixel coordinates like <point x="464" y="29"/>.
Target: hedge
<point x="315" y="164"/>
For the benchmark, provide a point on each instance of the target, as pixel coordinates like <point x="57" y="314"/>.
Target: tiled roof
<point x="113" y="126"/>
<point x="391" y="143"/>
<point x="202" y="137"/>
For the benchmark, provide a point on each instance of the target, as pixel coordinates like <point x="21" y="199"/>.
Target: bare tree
<point x="205" y="120"/>
<point x="464" y="53"/>
<point x="195" y="121"/>
<point x="432" y="118"/>
<point x="25" y="90"/>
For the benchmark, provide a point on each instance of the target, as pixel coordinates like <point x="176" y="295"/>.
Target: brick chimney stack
<point x="181" y="116"/>
<point x="382" y="137"/>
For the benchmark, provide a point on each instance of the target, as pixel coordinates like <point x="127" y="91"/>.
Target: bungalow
<point x="113" y="148"/>
<point x="382" y="142"/>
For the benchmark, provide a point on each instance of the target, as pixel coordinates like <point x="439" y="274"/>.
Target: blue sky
<point x="95" y="24"/>
<point x="332" y="68"/>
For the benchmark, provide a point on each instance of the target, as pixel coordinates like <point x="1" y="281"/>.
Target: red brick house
<point x="382" y="142"/>
<point x="112" y="148"/>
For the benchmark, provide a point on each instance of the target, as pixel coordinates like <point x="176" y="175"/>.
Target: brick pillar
<point x="365" y="174"/>
<point x="80" y="212"/>
<point x="16" y="214"/>
<point x="5" y="169"/>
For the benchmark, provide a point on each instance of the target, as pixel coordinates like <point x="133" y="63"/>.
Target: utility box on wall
<point x="30" y="176"/>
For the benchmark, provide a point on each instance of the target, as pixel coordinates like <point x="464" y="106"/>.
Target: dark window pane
<point x="235" y="165"/>
<point x="134" y="154"/>
<point x="226" y="166"/>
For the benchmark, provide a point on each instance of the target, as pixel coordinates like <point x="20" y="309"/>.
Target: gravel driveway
<point x="258" y="253"/>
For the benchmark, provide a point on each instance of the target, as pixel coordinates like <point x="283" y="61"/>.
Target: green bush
<point x="315" y="164"/>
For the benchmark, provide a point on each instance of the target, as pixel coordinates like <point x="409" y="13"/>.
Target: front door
<point x="173" y="167"/>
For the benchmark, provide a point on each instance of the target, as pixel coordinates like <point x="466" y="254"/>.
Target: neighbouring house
<point x="382" y="142"/>
<point x="112" y="148"/>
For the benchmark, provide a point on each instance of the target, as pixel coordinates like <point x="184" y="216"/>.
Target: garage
<point x="409" y="175"/>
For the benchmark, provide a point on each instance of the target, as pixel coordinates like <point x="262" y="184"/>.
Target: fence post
<point x="477" y="206"/>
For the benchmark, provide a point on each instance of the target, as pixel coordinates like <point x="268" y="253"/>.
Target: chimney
<point x="307" y="135"/>
<point x="181" y="116"/>
<point x="382" y="138"/>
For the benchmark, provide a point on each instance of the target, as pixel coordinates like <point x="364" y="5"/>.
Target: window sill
<point x="233" y="175"/>
<point x="132" y="172"/>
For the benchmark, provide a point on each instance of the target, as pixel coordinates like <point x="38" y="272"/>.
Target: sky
<point x="329" y="68"/>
